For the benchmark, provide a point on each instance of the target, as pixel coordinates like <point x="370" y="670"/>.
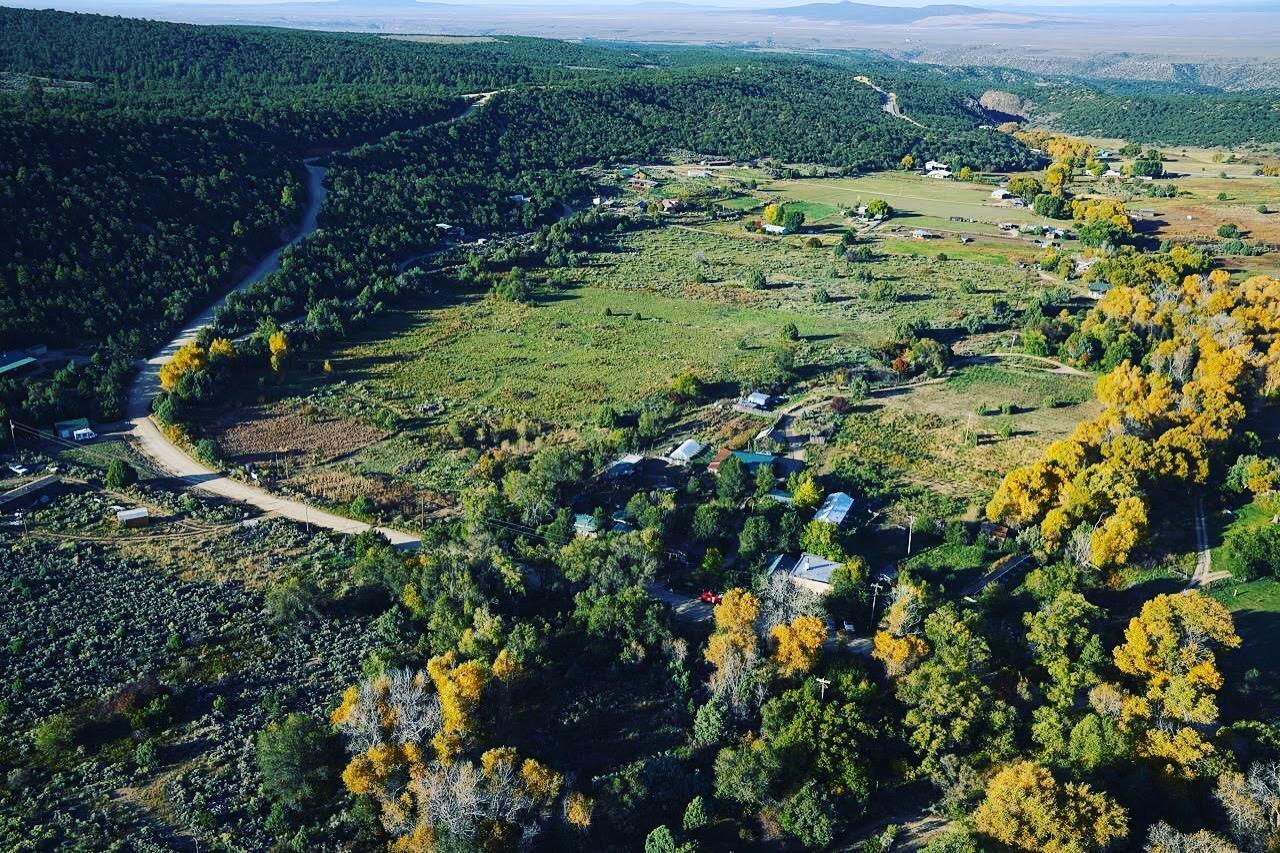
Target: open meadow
<point x="615" y="330"/>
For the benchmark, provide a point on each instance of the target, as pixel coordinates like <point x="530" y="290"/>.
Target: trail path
<point x="1204" y="574"/>
<point x="1054" y="365"/>
<point x="170" y="458"/>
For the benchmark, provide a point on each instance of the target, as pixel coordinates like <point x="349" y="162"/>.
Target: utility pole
<point x="875" y="595"/>
<point x="13" y="436"/>
<point x="823" y="683"/>
<point x="911" y="526"/>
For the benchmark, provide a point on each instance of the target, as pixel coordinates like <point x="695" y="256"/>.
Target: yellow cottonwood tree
<point x="459" y="686"/>
<point x="1168" y="651"/>
<point x="735" y="618"/>
<point x="898" y="654"/>
<point x="189" y="357"/>
<point x="278" y="344"/>
<point x="1027" y="809"/>
<point x="798" y="644"/>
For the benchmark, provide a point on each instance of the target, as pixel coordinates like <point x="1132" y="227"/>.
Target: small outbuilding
<point x="13" y="363"/>
<point x="623" y="466"/>
<point x="68" y="429"/>
<point x="38" y="491"/>
<point x="139" y="517"/>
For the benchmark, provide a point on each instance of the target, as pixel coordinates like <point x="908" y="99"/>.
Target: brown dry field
<point x="261" y="434"/>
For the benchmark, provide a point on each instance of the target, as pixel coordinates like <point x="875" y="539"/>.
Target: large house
<point x="810" y="571"/>
<point x="623" y="466"/>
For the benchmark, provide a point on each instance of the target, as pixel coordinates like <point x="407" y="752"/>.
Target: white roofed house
<point x="759" y="399"/>
<point x="934" y="165"/>
<point x="835" y="509"/>
<point x="686" y="451"/>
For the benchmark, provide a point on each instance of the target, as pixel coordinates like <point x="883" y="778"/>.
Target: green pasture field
<point x="671" y="260"/>
<point x="557" y="360"/>
<point x="910" y="195"/>
<point x="742" y="203"/>
<point x="619" y="327"/>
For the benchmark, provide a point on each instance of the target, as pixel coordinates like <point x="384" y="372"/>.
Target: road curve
<point x="168" y="457"/>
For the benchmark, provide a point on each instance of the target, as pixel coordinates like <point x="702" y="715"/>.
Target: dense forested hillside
<point x="1155" y="112"/>
<point x="1180" y="117"/>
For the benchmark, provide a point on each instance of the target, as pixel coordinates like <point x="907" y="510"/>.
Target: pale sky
<point x="1038" y="5"/>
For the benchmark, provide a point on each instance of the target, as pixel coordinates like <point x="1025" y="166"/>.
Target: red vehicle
<point x="709" y="597"/>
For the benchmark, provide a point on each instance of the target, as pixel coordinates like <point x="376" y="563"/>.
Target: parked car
<point x="709" y="597"/>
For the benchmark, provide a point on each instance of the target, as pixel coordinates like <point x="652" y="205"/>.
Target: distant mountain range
<point x="847" y="11"/>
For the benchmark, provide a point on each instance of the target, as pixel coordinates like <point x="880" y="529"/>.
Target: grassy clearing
<point x="662" y="300"/>
<point x="1250" y="669"/>
<point x="920" y="432"/>
<point x="742" y="203"/>
<point x="1257" y="513"/>
<point x="658" y="302"/>
<point x="557" y="361"/>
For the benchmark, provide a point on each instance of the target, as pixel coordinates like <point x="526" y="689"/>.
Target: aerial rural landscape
<point x="767" y="426"/>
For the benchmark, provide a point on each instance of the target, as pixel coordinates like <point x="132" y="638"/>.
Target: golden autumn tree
<point x="1026" y="808"/>
<point x="385" y="720"/>
<point x="222" y="348"/>
<point x="459" y="686"/>
<point x="1168" y="654"/>
<point x="577" y="810"/>
<point x="807" y="493"/>
<point x="542" y="783"/>
<point x="278" y="345"/>
<point x="735" y="620"/>
<point x="899" y="646"/>
<point x="189" y="358"/>
<point x="798" y="645"/>
<point x="898" y="654"/>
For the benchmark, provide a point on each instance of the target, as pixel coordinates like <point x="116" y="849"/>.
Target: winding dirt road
<point x="890" y="101"/>
<point x="170" y="458"/>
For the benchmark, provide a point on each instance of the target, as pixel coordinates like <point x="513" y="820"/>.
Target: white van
<point x="84" y="435"/>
